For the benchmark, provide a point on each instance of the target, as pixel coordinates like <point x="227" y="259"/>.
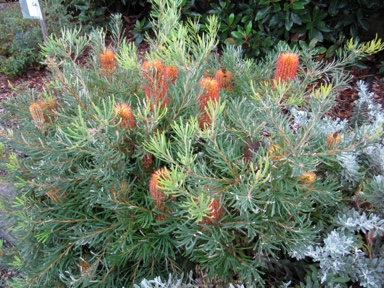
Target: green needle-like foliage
<point x="109" y="194"/>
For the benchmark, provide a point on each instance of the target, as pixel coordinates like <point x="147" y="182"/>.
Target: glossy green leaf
<point x="231" y="18"/>
<point x="263" y="13"/>
<point x="296" y="19"/>
<point x="248" y="28"/>
<point x="237" y="34"/>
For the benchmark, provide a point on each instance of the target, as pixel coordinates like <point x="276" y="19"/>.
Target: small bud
<point x="333" y="140"/>
<point x="286" y="68"/>
<point x="275" y="152"/>
<point x="147" y="161"/>
<point x="48" y="106"/>
<point x="84" y="266"/>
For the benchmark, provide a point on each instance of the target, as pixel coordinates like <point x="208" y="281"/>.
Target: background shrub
<point x="20" y="40"/>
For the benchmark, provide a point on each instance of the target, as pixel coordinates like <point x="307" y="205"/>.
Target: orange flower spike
<point x="156" y="193"/>
<point x="286" y="68"/>
<point x="224" y="78"/>
<point x="124" y="112"/>
<point x="210" y="92"/>
<point x="108" y="61"/>
<point x="156" y="89"/>
<point x="216" y="213"/>
<point x="172" y="73"/>
<point x="153" y="70"/>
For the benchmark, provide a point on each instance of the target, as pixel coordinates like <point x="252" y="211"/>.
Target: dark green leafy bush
<point x="20" y="39"/>
<point x="258" y="25"/>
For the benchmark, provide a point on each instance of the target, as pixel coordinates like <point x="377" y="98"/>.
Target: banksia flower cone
<point x="172" y="73"/>
<point x="333" y="140"/>
<point x="108" y="61"/>
<point x="210" y="93"/>
<point x="156" y="193"/>
<point x="308" y="177"/>
<point x="216" y="213"/>
<point x="286" y="68"/>
<point x="124" y="112"/>
<point x="224" y="78"/>
<point x="37" y="114"/>
<point x="156" y="86"/>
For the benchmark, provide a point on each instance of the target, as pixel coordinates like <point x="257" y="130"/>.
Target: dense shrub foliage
<point x="129" y="169"/>
<point x="19" y="40"/>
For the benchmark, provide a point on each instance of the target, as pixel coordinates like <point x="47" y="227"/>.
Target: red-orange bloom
<point x="172" y="73"/>
<point x="286" y="68"/>
<point x="156" y="193"/>
<point x="156" y="86"/>
<point x="224" y="78"/>
<point x="124" y="111"/>
<point x="216" y="213"/>
<point x="210" y="93"/>
<point x="108" y="61"/>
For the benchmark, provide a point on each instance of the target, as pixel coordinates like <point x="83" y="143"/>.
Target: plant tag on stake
<point x="31" y="9"/>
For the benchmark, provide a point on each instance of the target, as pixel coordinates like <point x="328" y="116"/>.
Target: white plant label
<point x="31" y="9"/>
<point x="34" y="9"/>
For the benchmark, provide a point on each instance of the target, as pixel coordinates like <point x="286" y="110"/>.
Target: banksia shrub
<point x="143" y="191"/>
<point x="286" y="68"/>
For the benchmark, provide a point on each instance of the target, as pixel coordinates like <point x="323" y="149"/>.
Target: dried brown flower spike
<point x="37" y="114"/>
<point x="308" y="177"/>
<point x="333" y="140"/>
